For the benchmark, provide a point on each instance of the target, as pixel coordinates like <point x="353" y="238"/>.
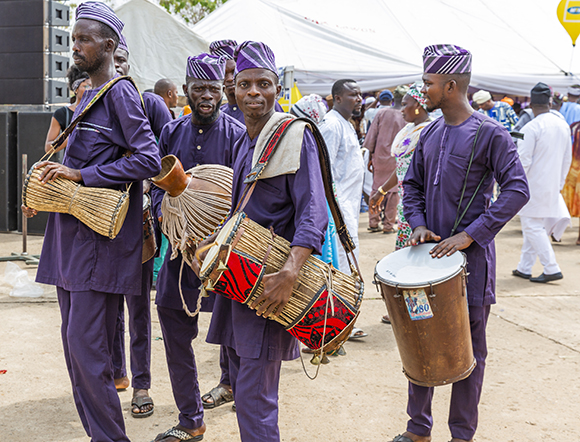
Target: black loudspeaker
<point x="8" y="172"/>
<point x="32" y="128"/>
<point x="30" y="43"/>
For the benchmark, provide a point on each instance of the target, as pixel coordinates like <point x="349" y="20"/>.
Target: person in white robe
<point x="546" y="154"/>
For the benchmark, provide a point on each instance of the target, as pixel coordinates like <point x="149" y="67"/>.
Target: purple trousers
<point x="255" y="385"/>
<point x="140" y="332"/>
<point x="225" y="366"/>
<point x="179" y="331"/>
<point x="465" y="394"/>
<point x="88" y="330"/>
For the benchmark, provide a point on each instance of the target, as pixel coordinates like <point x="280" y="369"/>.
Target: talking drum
<point x="427" y="302"/>
<point x="244" y="251"/>
<point x="196" y="202"/>
<point x="102" y="210"/>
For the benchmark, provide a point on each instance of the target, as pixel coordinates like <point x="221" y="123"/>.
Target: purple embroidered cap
<point x="206" y="67"/>
<point x="102" y="13"/>
<point x="123" y="44"/>
<point x="446" y="59"/>
<point x="223" y="48"/>
<point x="254" y="54"/>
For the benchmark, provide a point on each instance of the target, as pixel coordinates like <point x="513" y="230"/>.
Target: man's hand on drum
<point x="451" y="245"/>
<point x="28" y="212"/>
<point x="420" y="235"/>
<point x="278" y="286"/>
<point x="54" y="170"/>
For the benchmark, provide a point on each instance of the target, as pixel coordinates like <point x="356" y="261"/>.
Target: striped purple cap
<point x="223" y="48"/>
<point x="123" y="44"/>
<point x="446" y="59"/>
<point x="100" y="12"/>
<point x="254" y="54"/>
<point x="206" y="67"/>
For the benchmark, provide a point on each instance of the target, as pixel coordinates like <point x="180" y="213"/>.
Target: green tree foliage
<point x="192" y="11"/>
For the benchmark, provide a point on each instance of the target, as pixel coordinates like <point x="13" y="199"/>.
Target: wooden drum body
<point x="324" y="304"/>
<point x="149" y="241"/>
<point x="427" y="302"/>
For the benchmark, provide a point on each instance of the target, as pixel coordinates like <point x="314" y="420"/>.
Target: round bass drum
<point x="427" y="302"/>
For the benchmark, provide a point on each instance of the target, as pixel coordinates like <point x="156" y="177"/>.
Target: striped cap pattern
<point x="123" y="44"/>
<point x="446" y="59"/>
<point x="100" y="12"/>
<point x="254" y="54"/>
<point x="206" y="67"/>
<point x="223" y="48"/>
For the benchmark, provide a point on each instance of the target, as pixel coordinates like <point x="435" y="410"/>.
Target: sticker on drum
<point x="417" y="304"/>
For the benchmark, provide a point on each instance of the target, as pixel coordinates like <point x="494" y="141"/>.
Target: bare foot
<point x="195" y="432"/>
<point x="139" y="392"/>
<point x="122" y="384"/>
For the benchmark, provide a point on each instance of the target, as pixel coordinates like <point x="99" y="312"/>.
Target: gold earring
<point x="416" y="111"/>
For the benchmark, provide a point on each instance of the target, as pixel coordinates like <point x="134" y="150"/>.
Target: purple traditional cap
<point x="446" y="59"/>
<point x="102" y="13"/>
<point x="223" y="48"/>
<point x="254" y="54"/>
<point x="123" y="44"/>
<point x="206" y="67"/>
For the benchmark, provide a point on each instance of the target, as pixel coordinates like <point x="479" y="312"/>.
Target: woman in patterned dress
<point x="415" y="113"/>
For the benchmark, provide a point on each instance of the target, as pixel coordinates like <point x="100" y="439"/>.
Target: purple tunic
<point x="157" y="112"/>
<point x="295" y="206"/>
<point x="433" y="184"/>
<point x="193" y="145"/>
<point x="75" y="257"/>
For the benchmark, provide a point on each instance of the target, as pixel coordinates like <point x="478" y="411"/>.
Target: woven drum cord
<point x="72" y="198"/>
<point x="195" y="214"/>
<point x="329" y="300"/>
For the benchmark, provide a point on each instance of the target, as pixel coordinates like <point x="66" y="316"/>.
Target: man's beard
<point x="203" y="119"/>
<point x="356" y="113"/>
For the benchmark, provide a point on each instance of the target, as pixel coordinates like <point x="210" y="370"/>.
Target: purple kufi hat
<point x="223" y="48"/>
<point x="102" y="13"/>
<point x="446" y="59"/>
<point x="206" y="67"/>
<point x="123" y="44"/>
<point x="254" y="54"/>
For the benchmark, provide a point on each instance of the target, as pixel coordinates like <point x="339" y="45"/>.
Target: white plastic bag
<point x="23" y="286"/>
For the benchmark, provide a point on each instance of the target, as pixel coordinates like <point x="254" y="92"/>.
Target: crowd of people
<point x="433" y="162"/>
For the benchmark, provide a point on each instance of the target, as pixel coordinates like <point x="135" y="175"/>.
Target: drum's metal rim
<point x="423" y="283"/>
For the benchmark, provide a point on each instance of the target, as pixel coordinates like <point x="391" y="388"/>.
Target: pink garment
<point x="385" y="126"/>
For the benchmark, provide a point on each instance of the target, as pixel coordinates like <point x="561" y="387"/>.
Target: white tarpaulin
<point x="158" y="43"/>
<point x="379" y="43"/>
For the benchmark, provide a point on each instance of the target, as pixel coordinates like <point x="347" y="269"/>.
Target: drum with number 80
<point x="427" y="302"/>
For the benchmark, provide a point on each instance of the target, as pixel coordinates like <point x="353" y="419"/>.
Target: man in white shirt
<point x="546" y="154"/>
<point x="345" y="159"/>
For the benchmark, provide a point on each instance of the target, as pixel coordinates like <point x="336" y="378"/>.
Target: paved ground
<point x="530" y="394"/>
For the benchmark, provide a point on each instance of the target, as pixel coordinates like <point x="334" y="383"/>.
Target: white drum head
<point x="221" y="238"/>
<point x="414" y="267"/>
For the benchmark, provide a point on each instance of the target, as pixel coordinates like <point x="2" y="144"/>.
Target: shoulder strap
<point x="64" y="135"/>
<point x="268" y="151"/>
<point x="458" y="217"/>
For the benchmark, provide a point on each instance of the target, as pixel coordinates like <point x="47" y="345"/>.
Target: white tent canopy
<point x="379" y="43"/>
<point x="158" y="43"/>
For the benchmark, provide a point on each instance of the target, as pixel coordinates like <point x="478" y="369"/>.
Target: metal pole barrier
<point x="24" y="256"/>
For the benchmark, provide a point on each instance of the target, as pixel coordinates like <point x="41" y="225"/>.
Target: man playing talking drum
<point x="441" y="177"/>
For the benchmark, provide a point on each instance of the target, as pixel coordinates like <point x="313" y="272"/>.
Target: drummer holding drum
<point x="447" y="200"/>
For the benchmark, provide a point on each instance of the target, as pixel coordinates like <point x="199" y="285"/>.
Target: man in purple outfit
<point x="226" y="48"/>
<point x="433" y="187"/>
<point x="92" y="272"/>
<point x="293" y="204"/>
<point x="139" y="306"/>
<point x="207" y="136"/>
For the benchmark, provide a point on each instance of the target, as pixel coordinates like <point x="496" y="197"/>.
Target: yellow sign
<point x="569" y="16"/>
<point x="295" y="95"/>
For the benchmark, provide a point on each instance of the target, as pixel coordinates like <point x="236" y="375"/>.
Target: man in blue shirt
<point x="498" y="110"/>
